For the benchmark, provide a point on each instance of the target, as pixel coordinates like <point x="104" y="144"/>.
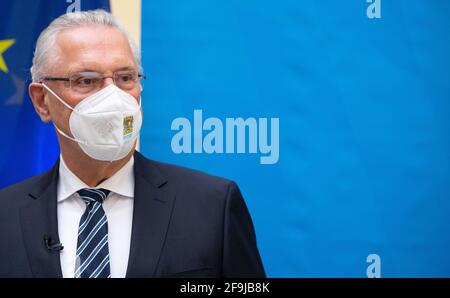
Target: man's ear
<point x="37" y="96"/>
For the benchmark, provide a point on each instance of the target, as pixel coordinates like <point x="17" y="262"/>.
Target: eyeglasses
<point x="90" y="81"/>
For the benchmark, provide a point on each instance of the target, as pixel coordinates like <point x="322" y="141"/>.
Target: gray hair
<point x="47" y="38"/>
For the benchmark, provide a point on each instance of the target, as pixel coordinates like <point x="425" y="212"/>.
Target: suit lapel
<point x="153" y="205"/>
<point x="152" y="211"/>
<point x="39" y="218"/>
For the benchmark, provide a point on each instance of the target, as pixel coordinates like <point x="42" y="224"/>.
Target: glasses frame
<point x="140" y="76"/>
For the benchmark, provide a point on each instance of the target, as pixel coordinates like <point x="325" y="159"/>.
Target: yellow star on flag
<point x="4" y="45"/>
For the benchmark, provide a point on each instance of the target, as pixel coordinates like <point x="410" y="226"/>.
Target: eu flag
<point x="28" y="146"/>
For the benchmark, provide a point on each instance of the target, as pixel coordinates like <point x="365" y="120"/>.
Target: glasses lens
<point x="85" y="82"/>
<point x="126" y="79"/>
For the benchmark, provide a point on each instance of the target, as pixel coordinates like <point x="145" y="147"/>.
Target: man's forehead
<point x="91" y="35"/>
<point x="96" y="48"/>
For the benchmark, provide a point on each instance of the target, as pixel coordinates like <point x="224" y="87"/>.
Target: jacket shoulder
<point x="188" y="180"/>
<point x="18" y="192"/>
<point x="188" y="175"/>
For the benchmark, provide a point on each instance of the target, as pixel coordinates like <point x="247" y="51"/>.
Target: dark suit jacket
<point x="185" y="224"/>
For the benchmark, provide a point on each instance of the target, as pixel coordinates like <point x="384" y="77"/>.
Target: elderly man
<point x="104" y="210"/>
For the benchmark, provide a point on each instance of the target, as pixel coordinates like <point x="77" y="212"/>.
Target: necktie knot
<point x="89" y="195"/>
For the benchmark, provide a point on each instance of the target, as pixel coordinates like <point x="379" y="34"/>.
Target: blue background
<point x="363" y="105"/>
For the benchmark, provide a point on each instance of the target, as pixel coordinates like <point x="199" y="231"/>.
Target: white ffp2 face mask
<point x="105" y="124"/>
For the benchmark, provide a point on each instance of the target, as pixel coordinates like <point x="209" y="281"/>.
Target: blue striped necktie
<point x="92" y="260"/>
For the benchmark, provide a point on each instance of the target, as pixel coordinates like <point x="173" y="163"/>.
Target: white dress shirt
<point x="118" y="207"/>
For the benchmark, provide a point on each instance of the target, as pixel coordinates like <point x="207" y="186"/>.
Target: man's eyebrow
<point x="125" y="68"/>
<point x="75" y="70"/>
<point x="94" y="70"/>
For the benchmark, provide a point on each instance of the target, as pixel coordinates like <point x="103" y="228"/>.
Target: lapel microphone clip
<point x="51" y="245"/>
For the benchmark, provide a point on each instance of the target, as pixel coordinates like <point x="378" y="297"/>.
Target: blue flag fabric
<point x="28" y="146"/>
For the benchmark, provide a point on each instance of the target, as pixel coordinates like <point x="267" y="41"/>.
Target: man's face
<point x="88" y="48"/>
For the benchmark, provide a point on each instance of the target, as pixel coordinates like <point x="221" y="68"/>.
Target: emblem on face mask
<point x="127" y="126"/>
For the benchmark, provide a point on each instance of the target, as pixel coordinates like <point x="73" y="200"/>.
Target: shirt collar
<point x="122" y="182"/>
